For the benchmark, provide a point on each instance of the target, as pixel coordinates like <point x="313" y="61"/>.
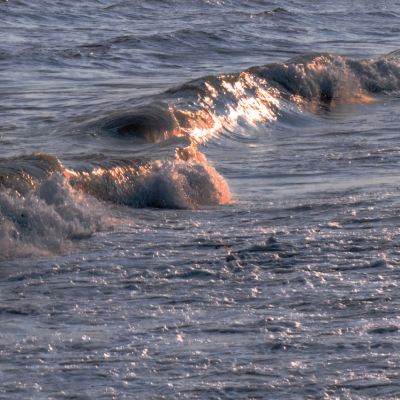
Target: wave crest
<point x="184" y="183"/>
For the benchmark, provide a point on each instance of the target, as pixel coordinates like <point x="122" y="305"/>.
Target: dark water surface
<point x="199" y="200"/>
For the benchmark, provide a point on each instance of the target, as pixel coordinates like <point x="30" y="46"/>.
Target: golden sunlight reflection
<point x="245" y="99"/>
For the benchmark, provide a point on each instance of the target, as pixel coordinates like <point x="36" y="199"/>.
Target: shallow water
<point x="199" y="200"/>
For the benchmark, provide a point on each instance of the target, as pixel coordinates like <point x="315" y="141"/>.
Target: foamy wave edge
<point x="45" y="220"/>
<point x="188" y="182"/>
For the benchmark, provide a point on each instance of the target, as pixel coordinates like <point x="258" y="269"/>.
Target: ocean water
<point x="199" y="200"/>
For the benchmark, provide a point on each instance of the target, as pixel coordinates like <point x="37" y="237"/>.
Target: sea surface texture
<point x="199" y="199"/>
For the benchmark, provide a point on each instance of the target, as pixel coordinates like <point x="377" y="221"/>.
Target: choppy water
<point x="199" y="199"/>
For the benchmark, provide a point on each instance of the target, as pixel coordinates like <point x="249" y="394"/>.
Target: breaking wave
<point x="188" y="182"/>
<point x="205" y="107"/>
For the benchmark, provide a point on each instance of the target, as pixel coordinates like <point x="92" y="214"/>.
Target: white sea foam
<point x="45" y="220"/>
<point x="381" y="75"/>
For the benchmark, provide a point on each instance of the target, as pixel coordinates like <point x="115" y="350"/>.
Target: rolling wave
<point x="203" y="108"/>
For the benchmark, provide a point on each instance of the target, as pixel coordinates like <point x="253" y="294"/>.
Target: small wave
<point x="385" y="14"/>
<point x="383" y="330"/>
<point x="278" y="10"/>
